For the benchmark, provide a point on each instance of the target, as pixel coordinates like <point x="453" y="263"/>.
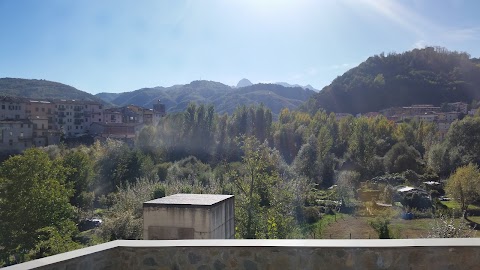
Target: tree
<point x="463" y="138"/>
<point x="464" y="185"/>
<point x="80" y="177"/>
<point x="264" y="197"/>
<point x="34" y="198"/>
<point x="347" y="181"/>
<point x="305" y="162"/>
<point x="401" y="158"/>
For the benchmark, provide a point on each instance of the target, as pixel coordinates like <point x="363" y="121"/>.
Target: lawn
<point x="359" y="228"/>
<point x="456" y="205"/>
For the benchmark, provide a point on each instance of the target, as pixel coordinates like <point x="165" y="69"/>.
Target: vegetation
<point x="464" y="185"/>
<point x="432" y="75"/>
<point x="307" y="175"/>
<point x="42" y="89"/>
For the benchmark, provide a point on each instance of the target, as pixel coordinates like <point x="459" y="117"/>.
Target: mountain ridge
<point x="224" y="98"/>
<point x="432" y="75"/>
<point x="42" y="89"/>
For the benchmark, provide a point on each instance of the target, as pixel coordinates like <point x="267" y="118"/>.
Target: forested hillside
<point x="421" y="76"/>
<point x="223" y="97"/>
<point x="41" y="89"/>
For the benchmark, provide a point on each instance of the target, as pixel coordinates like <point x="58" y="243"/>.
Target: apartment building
<point x="27" y="123"/>
<point x="74" y="117"/>
<point x="16" y="135"/>
<point x="12" y="108"/>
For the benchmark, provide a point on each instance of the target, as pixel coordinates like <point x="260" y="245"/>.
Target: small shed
<point x="189" y="216"/>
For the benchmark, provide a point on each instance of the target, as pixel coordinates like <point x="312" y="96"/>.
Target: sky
<point x="117" y="46"/>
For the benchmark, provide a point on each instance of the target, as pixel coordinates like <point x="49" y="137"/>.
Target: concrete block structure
<point x="189" y="216"/>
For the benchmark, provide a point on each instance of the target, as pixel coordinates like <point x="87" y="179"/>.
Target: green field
<point x="346" y="226"/>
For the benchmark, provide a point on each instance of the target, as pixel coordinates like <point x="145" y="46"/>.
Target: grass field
<point x="358" y="227"/>
<point x="456" y="205"/>
<point x="348" y="226"/>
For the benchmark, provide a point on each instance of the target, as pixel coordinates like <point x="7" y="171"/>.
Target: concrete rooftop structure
<point x="189" y="216"/>
<point x="189" y="200"/>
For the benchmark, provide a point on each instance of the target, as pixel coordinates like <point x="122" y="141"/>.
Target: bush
<point x="158" y="192"/>
<point x="381" y="226"/>
<point x="444" y="227"/>
<point x="311" y="214"/>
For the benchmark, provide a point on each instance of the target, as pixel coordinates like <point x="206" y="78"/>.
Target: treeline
<point x="274" y="169"/>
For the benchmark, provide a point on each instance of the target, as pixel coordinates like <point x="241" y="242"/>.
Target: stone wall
<point x="270" y="254"/>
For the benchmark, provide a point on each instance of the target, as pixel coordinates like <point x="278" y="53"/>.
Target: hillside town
<point x="26" y="123"/>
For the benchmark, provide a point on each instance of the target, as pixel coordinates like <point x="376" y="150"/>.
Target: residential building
<point x="418" y="109"/>
<point x="116" y="130"/>
<point x="427" y="117"/>
<point x="112" y="115"/>
<point x="93" y="113"/>
<point x="70" y="117"/>
<point x="159" y="111"/>
<point x="460" y="107"/>
<point x="12" y="108"/>
<point x="15" y="135"/>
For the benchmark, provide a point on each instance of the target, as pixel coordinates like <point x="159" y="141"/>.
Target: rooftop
<point x="189" y="199"/>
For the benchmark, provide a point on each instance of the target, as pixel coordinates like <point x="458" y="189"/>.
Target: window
<point x="3" y="107"/>
<point x="21" y="134"/>
<point x="10" y="142"/>
<point x="36" y="109"/>
<point x="43" y="109"/>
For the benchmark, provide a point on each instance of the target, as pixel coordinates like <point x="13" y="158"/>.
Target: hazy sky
<point x="115" y="46"/>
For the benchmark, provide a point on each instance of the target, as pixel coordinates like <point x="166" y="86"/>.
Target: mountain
<point x="243" y="83"/>
<point x="42" y="89"/>
<point x="308" y="86"/>
<point x="223" y="97"/>
<point x="432" y="75"/>
<point x="108" y="97"/>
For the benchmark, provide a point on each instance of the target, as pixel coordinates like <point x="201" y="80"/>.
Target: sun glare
<point x="269" y="9"/>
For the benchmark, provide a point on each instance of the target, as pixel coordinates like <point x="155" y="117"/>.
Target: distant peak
<point x="243" y="83"/>
<point x="308" y="86"/>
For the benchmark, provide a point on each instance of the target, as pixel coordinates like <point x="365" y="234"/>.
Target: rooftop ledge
<point x="247" y="254"/>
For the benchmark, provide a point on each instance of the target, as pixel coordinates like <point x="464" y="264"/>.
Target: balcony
<point x="78" y="115"/>
<point x="461" y="253"/>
